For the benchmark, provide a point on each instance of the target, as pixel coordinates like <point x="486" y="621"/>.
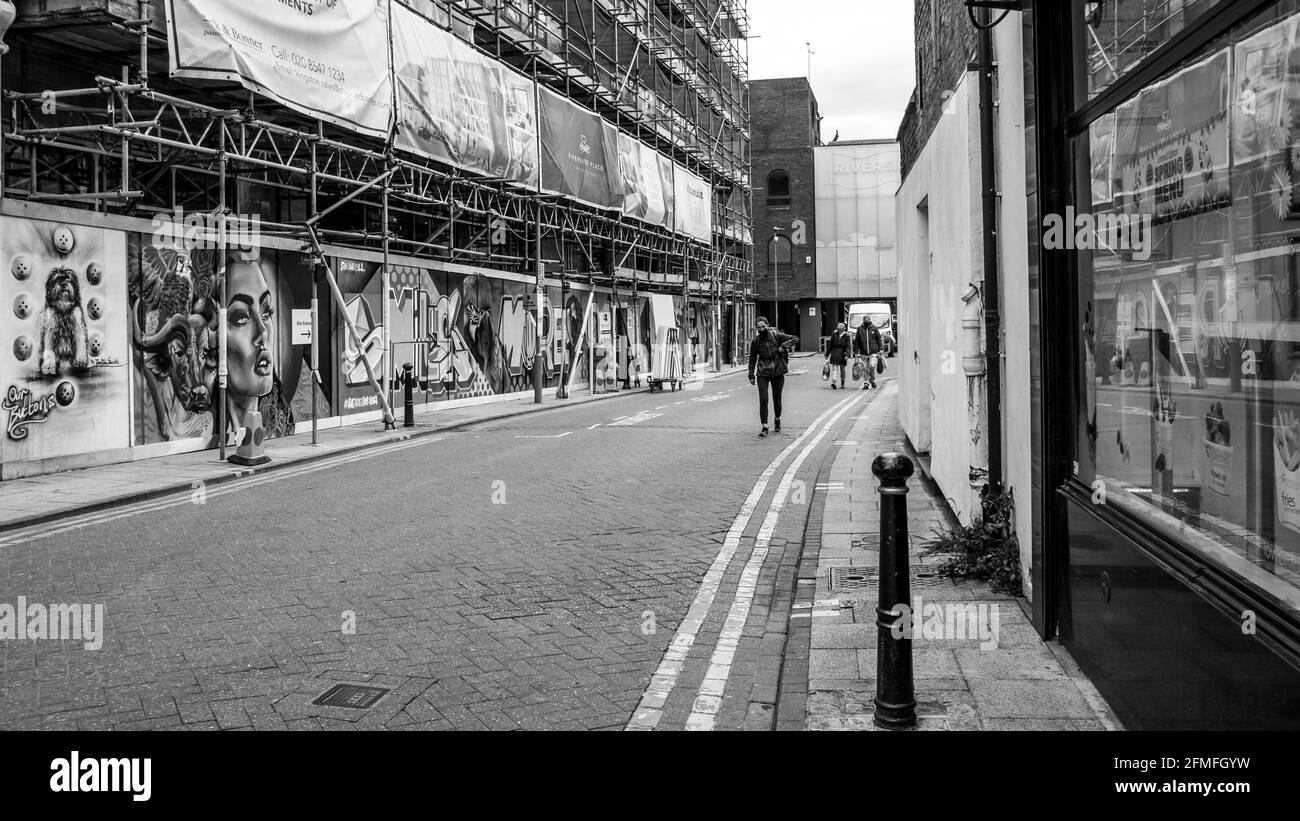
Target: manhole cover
<point x="856" y="578"/>
<point x="355" y="696"/>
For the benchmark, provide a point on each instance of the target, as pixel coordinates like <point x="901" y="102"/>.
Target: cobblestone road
<point x="521" y="574"/>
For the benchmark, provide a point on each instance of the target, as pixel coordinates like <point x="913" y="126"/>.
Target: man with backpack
<point x="768" y="365"/>
<point x="869" y="346"/>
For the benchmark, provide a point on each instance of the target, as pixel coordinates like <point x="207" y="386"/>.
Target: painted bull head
<point x="179" y="350"/>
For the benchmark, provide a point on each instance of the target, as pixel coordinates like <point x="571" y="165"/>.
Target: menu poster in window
<point x="1171" y="145"/>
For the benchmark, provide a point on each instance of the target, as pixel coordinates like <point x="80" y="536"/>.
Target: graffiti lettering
<point x="25" y="410"/>
<point x="450" y="354"/>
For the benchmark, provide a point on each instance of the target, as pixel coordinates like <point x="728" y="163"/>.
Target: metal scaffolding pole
<point x="221" y="307"/>
<point x="386" y="285"/>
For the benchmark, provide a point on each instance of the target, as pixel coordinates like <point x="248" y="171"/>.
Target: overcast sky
<point x="862" y="65"/>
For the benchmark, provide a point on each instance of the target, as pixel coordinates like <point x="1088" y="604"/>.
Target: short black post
<point x="895" y="698"/>
<point x="408" y="383"/>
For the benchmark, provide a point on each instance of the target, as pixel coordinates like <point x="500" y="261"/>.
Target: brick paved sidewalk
<point x="57" y="495"/>
<point x="1019" y="682"/>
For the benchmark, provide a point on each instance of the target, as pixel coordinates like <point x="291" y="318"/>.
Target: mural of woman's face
<point x="250" y="332"/>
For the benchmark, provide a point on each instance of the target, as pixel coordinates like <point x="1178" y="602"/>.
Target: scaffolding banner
<point x="576" y="153"/>
<point x="328" y="60"/>
<point x="693" y="206"/>
<point x="644" y="182"/>
<point x="459" y="106"/>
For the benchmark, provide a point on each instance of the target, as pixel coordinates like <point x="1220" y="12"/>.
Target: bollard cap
<point x="892" y="468"/>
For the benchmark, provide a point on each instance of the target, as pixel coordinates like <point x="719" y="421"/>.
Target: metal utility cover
<point x="856" y="578"/>
<point x="356" y="696"/>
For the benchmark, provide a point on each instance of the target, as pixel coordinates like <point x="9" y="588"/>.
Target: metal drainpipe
<point x="988" y="184"/>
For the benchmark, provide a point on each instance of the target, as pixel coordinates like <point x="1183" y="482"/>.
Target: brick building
<point x="786" y="124"/>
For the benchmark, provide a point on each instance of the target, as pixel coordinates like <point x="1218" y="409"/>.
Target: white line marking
<point x="650" y="709"/>
<point x="705" y="709"/>
<point x="593" y="427"/>
<point x="547" y="436"/>
<point x="632" y="420"/>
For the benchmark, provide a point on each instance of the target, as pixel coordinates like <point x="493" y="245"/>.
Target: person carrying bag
<point x="869" y="347"/>
<point x="838" y="351"/>
<point x="768" y="365"/>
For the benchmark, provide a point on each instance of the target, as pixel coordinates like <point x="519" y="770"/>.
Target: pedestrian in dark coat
<point x="767" y="368"/>
<point x="838" y="351"/>
<point x="869" y="346"/>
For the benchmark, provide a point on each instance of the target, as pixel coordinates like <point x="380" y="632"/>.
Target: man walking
<point x="869" y="346"/>
<point x="767" y="367"/>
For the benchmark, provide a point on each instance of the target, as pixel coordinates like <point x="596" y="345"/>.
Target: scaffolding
<point x="90" y="118"/>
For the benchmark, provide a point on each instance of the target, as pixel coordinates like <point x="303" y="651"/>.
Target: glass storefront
<point x="1187" y="231"/>
<point x="1120" y="34"/>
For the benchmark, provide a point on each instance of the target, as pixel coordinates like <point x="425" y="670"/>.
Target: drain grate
<point x="356" y="696"/>
<point x="857" y="578"/>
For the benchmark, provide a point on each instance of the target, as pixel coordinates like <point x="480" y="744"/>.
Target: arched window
<point x="778" y="250"/>
<point x="778" y="188"/>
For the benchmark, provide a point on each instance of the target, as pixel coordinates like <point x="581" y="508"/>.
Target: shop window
<point x="1187" y="233"/>
<point x="778" y="189"/>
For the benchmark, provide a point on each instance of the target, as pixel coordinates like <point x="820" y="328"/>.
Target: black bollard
<point x="408" y="382"/>
<point x="895" y="697"/>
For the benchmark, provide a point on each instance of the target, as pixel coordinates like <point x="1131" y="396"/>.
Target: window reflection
<point x="1192" y="319"/>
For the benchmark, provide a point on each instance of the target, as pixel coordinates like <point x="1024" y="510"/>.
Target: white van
<point x="882" y="317"/>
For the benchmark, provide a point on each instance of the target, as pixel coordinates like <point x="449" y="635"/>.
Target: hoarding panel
<point x="63" y="368"/>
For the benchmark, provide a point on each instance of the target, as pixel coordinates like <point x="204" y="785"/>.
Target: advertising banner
<point x="63" y="374"/>
<point x="458" y="105"/>
<point x="1171" y="144"/>
<point x="325" y="59"/>
<point x="576" y="159"/>
<point x="644" y="182"/>
<point x="692" y="206"/>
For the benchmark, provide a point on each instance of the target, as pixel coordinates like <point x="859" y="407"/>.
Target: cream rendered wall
<point x="1014" y="280"/>
<point x="934" y="408"/>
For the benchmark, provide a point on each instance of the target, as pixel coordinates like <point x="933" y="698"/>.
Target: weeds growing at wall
<point x="986" y="549"/>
